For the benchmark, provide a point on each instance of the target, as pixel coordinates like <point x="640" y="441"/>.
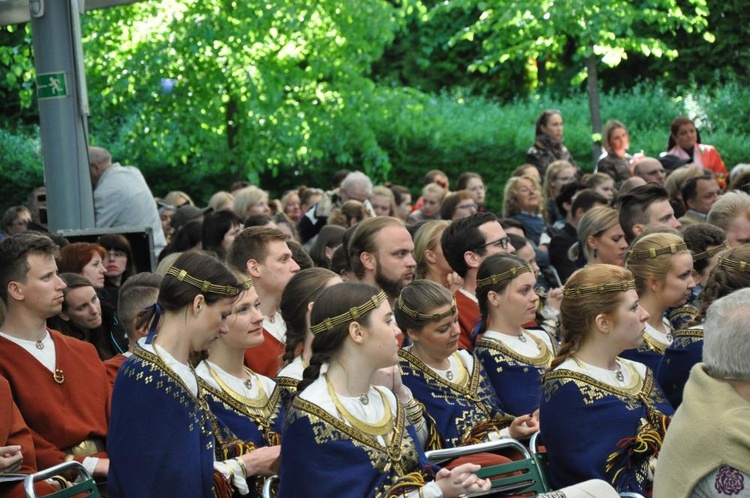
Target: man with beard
<point x="262" y="254"/>
<point x="380" y="254"/>
<point x="466" y="243"/>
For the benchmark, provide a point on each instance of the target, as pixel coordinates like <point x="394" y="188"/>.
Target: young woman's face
<point x="381" y="339"/>
<point x="228" y="239"/>
<point x="619" y="141"/>
<point x="676" y="287"/>
<point x="94" y="271"/>
<point x="554" y="127"/>
<point x="606" y="189"/>
<point x="430" y="204"/>
<point x="115" y="262"/>
<point x="611" y="246"/>
<point x="245" y="325"/>
<point x="518" y="302"/>
<point x="686" y="136"/>
<point x="438" y="340"/>
<point x="440" y="262"/>
<point x="381" y="204"/>
<point x="629" y="322"/>
<point x="527" y="254"/>
<point x="403" y="209"/>
<point x="563" y="177"/>
<point x="83" y="308"/>
<point x="476" y="188"/>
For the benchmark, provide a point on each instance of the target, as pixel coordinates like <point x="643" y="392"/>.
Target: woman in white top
<point x="249" y="404"/>
<point x="602" y="416"/>
<point x="662" y="268"/>
<point x="515" y="358"/>
<point x="163" y="439"/>
<point x="346" y="437"/>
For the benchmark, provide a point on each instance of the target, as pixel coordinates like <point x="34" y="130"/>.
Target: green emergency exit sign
<point x="51" y="86"/>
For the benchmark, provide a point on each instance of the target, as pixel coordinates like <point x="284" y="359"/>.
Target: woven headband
<point x="710" y="253"/>
<point x="654" y="252"/>
<point x="599" y="289"/>
<point x="435" y="317"/>
<point x="354" y="314"/>
<point x="506" y="275"/>
<point x="737" y="264"/>
<point x="206" y="286"/>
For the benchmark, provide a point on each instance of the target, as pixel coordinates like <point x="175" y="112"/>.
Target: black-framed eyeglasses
<point x="503" y="242"/>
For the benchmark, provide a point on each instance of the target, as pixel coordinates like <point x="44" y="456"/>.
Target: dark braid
<point x="312" y="372"/>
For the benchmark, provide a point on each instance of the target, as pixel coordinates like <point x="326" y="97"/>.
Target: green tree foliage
<point x="17" y="84"/>
<point x="593" y="32"/>
<point x="239" y="86"/>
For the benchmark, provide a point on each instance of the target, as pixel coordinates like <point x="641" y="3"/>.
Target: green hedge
<point x="407" y="133"/>
<point x="21" y="165"/>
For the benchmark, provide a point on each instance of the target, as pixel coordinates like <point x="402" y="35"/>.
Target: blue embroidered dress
<point x="325" y="456"/>
<point x="593" y="430"/>
<point x="163" y="439"/>
<point x="515" y="368"/>
<point x="685" y="351"/>
<point x="463" y="411"/>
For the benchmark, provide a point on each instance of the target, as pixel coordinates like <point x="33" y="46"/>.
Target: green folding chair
<point x="535" y="443"/>
<point x="85" y="487"/>
<point x="269" y="486"/>
<point x="512" y="478"/>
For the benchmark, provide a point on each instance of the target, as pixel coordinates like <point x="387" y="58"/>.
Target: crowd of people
<point x="334" y="336"/>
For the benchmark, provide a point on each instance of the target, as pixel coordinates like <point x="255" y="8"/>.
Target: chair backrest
<point x="539" y="454"/>
<point x="514" y="478"/>
<point x="269" y="487"/>
<point x="86" y="487"/>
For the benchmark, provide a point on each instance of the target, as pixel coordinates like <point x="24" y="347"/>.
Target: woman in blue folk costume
<point x="663" y="270"/>
<point x="346" y="437"/>
<point x="731" y="273"/>
<point x="249" y="404"/>
<point x="514" y="358"/>
<point x="295" y="306"/>
<point x="602" y="416"/>
<point x="451" y="384"/>
<point x="163" y="440"/>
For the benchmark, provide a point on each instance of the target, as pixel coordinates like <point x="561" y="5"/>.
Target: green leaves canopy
<point x="547" y="29"/>
<point x="246" y="86"/>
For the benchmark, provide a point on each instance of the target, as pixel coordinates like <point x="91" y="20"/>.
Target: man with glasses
<point x="466" y="243"/>
<point x="651" y="170"/>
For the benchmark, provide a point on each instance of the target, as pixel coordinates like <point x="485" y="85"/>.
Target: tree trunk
<point x="596" y="117"/>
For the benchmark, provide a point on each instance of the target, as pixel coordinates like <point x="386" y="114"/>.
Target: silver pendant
<point x="39" y="345"/>
<point x="449" y="375"/>
<point x="619" y="376"/>
<point x="248" y="383"/>
<point x="522" y="338"/>
<point x="364" y="399"/>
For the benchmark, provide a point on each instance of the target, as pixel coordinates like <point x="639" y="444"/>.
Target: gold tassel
<point x="406" y="484"/>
